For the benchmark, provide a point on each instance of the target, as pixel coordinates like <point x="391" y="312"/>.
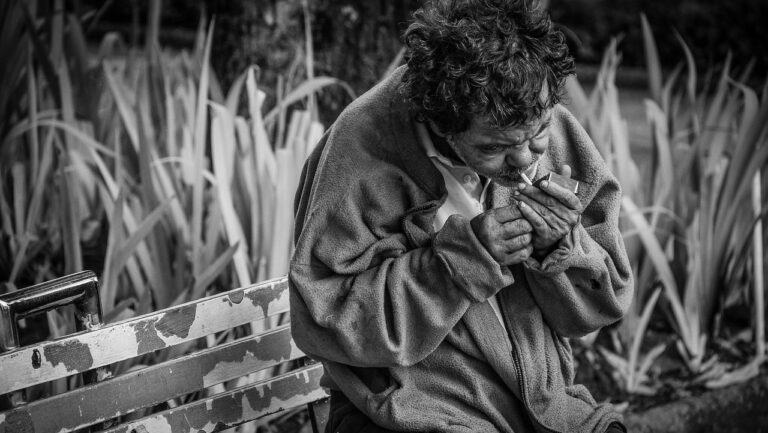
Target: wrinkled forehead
<point x="485" y="126"/>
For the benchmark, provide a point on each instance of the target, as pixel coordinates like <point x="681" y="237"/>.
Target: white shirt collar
<point x="429" y="146"/>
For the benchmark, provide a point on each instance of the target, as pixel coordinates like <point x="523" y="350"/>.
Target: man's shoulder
<point x="369" y="136"/>
<point x="362" y="155"/>
<point x="375" y="109"/>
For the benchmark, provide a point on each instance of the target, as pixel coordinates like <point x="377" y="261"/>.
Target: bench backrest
<point x="209" y="389"/>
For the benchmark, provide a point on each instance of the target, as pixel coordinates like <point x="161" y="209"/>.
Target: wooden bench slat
<point x="158" y="383"/>
<point x="235" y="407"/>
<point x="76" y="353"/>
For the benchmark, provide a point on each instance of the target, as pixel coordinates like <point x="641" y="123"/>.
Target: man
<point x="435" y="284"/>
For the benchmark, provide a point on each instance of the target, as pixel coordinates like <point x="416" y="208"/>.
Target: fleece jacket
<point x="398" y="312"/>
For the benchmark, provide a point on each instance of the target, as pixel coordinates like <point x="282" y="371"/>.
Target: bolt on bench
<point x="149" y="399"/>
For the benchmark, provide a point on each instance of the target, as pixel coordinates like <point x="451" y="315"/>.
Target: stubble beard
<point x="509" y="178"/>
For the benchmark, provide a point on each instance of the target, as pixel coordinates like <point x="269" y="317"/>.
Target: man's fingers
<point x="561" y="194"/>
<point x="518" y="242"/>
<point x="515" y="228"/>
<point x="506" y="213"/>
<point x="536" y="220"/>
<point x="553" y="214"/>
<point x="566" y="170"/>
<point x="519" y="256"/>
<point x="551" y="195"/>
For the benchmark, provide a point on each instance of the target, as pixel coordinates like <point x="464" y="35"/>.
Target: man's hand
<point x="551" y="210"/>
<point x="505" y="234"/>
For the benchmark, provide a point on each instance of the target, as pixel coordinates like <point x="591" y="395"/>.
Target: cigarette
<point x="526" y="179"/>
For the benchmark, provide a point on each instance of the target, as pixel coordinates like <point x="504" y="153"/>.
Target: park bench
<point x="195" y="389"/>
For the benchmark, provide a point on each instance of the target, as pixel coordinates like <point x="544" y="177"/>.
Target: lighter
<point x="565" y="182"/>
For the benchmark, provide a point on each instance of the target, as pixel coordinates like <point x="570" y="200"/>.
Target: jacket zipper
<point x="520" y="382"/>
<point x="519" y="370"/>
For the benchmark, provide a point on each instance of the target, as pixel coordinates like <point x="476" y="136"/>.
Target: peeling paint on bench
<point x="74" y="355"/>
<point x="238" y="406"/>
<point x="265" y="297"/>
<point x="177" y="322"/>
<point x="141" y="335"/>
<point x="203" y="371"/>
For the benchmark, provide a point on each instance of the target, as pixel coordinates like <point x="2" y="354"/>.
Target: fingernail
<point x="544" y="184"/>
<point x="521" y="205"/>
<point x="521" y="185"/>
<point x="515" y="193"/>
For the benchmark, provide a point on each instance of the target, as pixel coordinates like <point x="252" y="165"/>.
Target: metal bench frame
<point x="105" y="403"/>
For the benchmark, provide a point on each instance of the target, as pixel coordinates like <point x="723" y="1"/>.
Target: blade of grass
<point x="121" y="96"/>
<point x="660" y="262"/>
<point x="249" y="184"/>
<point x="691" y="82"/>
<point x="70" y="220"/>
<point x="721" y="92"/>
<point x="663" y="179"/>
<point x="35" y="205"/>
<point x="235" y="91"/>
<point x="207" y="175"/>
<point x="310" y="56"/>
<point x="108" y="288"/>
<point x="666" y="91"/>
<point x="642" y="325"/>
<point x="42" y="54"/>
<point x="152" y="192"/>
<point x="130" y="246"/>
<point x="223" y="152"/>
<point x="34" y="139"/>
<point x="265" y="158"/>
<point x="109" y="190"/>
<point x="304" y="90"/>
<point x="212" y="271"/>
<point x="67" y="105"/>
<point x="19" y="176"/>
<point x="200" y="135"/>
<point x="314" y="135"/>
<point x="282" y="224"/>
<point x="758" y="258"/>
<point x="652" y="60"/>
<point x="5" y="215"/>
<point x="72" y="131"/>
<point x="650" y="357"/>
<point x="750" y="156"/>
<point x="57" y="32"/>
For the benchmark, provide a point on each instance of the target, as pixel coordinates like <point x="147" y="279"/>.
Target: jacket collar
<point x="413" y="158"/>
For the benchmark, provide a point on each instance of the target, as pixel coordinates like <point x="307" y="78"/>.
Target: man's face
<point x="502" y="154"/>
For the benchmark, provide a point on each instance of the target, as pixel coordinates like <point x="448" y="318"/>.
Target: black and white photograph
<point x="379" y="216"/>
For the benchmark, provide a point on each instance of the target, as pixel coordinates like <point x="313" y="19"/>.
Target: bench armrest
<point x="80" y="289"/>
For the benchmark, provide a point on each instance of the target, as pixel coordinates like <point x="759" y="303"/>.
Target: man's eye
<point x="493" y="149"/>
<point x="544" y="131"/>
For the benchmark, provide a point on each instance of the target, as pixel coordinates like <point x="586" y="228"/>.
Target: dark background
<point x="357" y="40"/>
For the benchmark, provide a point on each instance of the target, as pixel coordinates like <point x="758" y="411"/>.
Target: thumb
<point x="566" y="170"/>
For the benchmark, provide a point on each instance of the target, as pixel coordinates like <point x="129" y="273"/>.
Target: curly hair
<point x="486" y="58"/>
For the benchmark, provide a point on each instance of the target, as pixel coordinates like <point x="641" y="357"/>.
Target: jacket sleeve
<point x="361" y="297"/>
<point x="586" y="282"/>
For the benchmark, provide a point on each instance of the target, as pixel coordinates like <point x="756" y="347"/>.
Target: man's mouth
<point x="511" y="178"/>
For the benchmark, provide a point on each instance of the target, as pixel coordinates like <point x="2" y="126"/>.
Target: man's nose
<point x="521" y="157"/>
